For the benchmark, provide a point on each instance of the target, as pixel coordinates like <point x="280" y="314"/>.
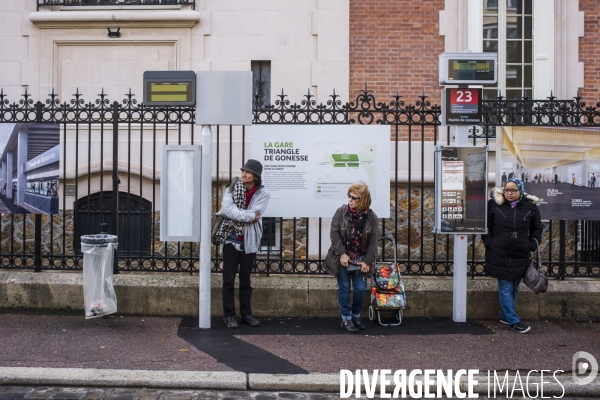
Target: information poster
<point x="29" y="178"/>
<point x="461" y="106"/>
<point x="461" y="188"/>
<point x="308" y="169"/>
<point x="566" y="182"/>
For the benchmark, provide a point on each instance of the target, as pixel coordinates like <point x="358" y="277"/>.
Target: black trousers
<point x="231" y="260"/>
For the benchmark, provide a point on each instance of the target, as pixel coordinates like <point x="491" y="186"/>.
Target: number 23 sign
<point x="461" y="106"/>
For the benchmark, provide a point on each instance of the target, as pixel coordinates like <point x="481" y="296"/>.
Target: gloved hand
<point x="533" y="245"/>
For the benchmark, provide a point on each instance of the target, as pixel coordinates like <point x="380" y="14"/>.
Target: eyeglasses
<point x="353" y="198"/>
<point x="511" y="190"/>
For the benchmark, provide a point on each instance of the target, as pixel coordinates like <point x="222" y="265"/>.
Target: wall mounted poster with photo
<point x="559" y="166"/>
<point x="29" y="168"/>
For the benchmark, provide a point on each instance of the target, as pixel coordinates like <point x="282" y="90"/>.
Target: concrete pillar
<point x="9" y="164"/>
<point x="2" y="175"/>
<point x="21" y="161"/>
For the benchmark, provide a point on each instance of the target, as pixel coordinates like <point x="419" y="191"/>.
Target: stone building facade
<point x="317" y="45"/>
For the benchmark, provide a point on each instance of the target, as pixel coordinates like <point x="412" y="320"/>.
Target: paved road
<point x="81" y="393"/>
<point x="71" y="393"/>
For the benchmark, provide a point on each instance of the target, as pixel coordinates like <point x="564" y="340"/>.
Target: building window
<point x="261" y="83"/>
<point x="508" y="30"/>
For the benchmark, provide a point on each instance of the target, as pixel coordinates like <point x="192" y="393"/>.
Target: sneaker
<point x="230" y="322"/>
<point x="250" y="320"/>
<point x="519" y="327"/>
<point x="503" y="321"/>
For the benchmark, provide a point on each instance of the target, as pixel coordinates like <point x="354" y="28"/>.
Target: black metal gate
<point x="108" y="174"/>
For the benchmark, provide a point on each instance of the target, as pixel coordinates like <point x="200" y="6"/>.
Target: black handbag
<point x="535" y="278"/>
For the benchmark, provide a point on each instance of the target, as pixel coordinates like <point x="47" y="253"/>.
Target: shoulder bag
<point x="535" y="278"/>
<point x="217" y="221"/>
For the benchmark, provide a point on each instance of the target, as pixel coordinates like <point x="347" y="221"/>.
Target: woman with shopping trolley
<point x="354" y="234"/>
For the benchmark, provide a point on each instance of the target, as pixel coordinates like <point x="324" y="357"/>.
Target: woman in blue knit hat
<point x="514" y="231"/>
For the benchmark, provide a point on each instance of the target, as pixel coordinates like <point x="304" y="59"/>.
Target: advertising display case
<point x="461" y="189"/>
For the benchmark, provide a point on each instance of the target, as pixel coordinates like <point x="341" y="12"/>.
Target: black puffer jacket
<point x="511" y="234"/>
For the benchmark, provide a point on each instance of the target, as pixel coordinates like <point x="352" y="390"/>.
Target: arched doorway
<point x="135" y="220"/>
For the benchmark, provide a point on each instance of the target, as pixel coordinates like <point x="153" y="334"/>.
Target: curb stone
<point x="123" y="378"/>
<point x="226" y="380"/>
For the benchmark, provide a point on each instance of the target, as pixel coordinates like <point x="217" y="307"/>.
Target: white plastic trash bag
<point x="99" y="296"/>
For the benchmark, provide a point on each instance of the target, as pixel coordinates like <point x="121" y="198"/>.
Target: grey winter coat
<point x="252" y="230"/>
<point x="511" y="234"/>
<point x="339" y="235"/>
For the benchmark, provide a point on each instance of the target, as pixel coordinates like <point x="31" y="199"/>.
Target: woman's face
<point x="353" y="199"/>
<point x="511" y="192"/>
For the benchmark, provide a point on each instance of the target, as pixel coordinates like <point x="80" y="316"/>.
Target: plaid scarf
<point x="356" y="223"/>
<point x="229" y="226"/>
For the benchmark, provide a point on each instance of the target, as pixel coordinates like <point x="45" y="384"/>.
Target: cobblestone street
<point x="79" y="393"/>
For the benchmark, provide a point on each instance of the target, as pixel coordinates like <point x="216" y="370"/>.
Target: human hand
<point x="364" y="267"/>
<point x="257" y="216"/>
<point x="344" y="259"/>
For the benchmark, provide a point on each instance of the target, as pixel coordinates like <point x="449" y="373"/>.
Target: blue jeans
<point x="359" y="285"/>
<point x="508" y="290"/>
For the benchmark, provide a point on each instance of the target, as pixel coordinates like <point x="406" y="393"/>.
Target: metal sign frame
<point x="456" y="195"/>
<point x="469" y="75"/>
<point x="461" y="106"/>
<point x="180" y="200"/>
<point x="170" y="80"/>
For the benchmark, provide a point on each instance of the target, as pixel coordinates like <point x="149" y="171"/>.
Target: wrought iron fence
<point x="78" y="3"/>
<point x="108" y="145"/>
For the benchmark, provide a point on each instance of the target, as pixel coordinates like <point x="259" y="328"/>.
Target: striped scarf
<point x="229" y="226"/>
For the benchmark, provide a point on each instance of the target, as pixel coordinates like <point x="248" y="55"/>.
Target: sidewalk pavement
<point x="283" y="354"/>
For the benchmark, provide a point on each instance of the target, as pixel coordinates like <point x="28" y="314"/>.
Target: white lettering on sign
<point x="464" y="96"/>
<point x="32" y="164"/>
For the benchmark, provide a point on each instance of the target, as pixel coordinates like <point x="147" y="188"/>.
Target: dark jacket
<point x="511" y="234"/>
<point x="339" y="236"/>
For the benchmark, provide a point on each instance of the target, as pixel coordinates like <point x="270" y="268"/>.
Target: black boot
<point x="348" y="326"/>
<point x="358" y="323"/>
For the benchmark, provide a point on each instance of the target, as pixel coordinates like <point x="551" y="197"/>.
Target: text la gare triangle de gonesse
<point x="282" y="151"/>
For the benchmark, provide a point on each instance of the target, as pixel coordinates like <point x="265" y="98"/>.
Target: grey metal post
<point x="21" y="160"/>
<point x="459" y="279"/>
<point x="205" y="208"/>
<point x="498" y="179"/>
<point x="115" y="180"/>
<point x="9" y="167"/>
<point x="3" y="176"/>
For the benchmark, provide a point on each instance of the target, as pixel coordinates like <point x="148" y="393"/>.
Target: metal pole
<point x="115" y="179"/>
<point x="37" y="266"/>
<point x="205" y="208"/>
<point x="459" y="279"/>
<point x="562" y="249"/>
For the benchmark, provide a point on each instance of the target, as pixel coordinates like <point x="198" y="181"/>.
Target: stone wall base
<point x="291" y="296"/>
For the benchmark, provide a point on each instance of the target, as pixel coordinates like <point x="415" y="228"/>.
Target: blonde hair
<point x="362" y="190"/>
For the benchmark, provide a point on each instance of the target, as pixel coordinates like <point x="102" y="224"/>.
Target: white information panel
<point x="224" y="98"/>
<point x="180" y="193"/>
<point x="308" y="169"/>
